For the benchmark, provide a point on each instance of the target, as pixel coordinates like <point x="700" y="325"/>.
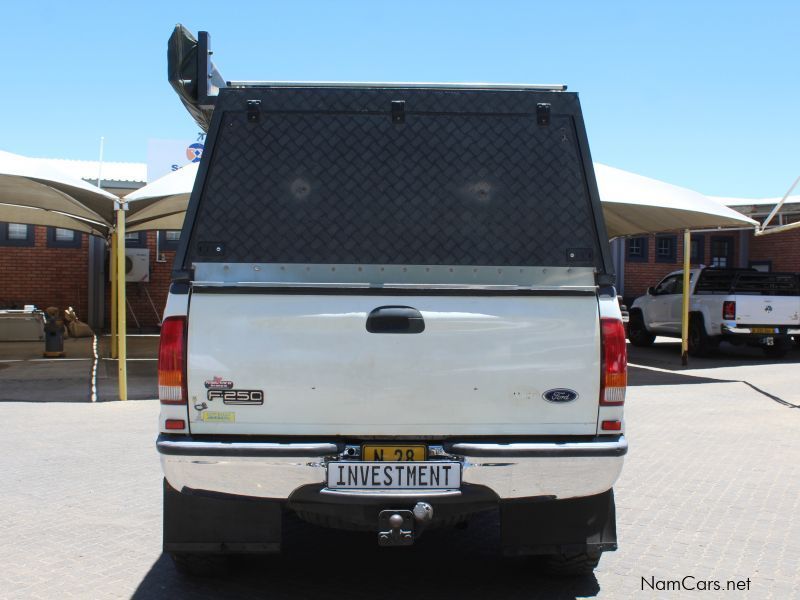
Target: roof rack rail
<point x="197" y="81"/>
<point x="548" y="87"/>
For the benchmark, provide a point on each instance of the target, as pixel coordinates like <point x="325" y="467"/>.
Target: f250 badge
<point x="252" y="397"/>
<point x="218" y="383"/>
<point x="560" y="395"/>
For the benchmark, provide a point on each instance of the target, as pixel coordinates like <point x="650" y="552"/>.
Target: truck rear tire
<point x="779" y="350"/>
<point x="700" y="343"/>
<point x="637" y="331"/>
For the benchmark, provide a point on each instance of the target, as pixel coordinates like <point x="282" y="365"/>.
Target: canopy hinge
<point x="398" y="111"/>
<point x="253" y="111"/>
<point x="543" y="114"/>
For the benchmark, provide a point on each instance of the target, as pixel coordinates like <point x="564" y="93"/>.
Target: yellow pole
<point x="112" y="266"/>
<point x="121" y="304"/>
<point x="687" y="256"/>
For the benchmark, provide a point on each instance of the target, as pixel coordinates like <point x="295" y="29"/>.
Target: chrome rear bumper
<point x="567" y="469"/>
<point x="748" y="330"/>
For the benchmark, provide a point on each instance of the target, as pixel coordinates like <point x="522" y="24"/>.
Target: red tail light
<point x="614" y="362"/>
<point x="172" y="361"/>
<point x="729" y="310"/>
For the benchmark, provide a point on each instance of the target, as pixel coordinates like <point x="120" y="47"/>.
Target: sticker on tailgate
<point x="212" y="416"/>
<point x="218" y="383"/>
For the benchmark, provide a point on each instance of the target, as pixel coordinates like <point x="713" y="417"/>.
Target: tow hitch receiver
<point x="395" y="528"/>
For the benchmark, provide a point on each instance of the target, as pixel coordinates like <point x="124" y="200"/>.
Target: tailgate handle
<point x="395" y="319"/>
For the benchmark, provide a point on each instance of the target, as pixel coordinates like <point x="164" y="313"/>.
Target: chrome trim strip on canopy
<point x="544" y="87"/>
<point x="422" y="276"/>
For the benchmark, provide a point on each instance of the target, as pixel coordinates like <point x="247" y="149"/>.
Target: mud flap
<point x="531" y="527"/>
<point x="204" y="523"/>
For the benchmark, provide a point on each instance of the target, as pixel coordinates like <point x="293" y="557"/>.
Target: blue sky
<point x="700" y="94"/>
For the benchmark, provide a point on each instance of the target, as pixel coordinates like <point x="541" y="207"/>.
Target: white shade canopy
<point x="36" y="193"/>
<point x="632" y="204"/>
<point x="11" y="213"/>
<point x="162" y="203"/>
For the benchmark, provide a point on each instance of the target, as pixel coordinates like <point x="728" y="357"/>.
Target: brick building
<point x="55" y="267"/>
<point x="48" y="266"/>
<point x="647" y="259"/>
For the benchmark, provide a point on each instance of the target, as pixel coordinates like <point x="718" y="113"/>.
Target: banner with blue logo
<point x="164" y="156"/>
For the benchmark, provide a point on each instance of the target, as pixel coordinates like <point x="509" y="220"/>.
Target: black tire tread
<point x="776" y="351"/>
<point x="705" y="345"/>
<point x="637" y="331"/>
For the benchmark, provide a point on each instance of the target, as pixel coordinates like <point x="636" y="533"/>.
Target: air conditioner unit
<point x="137" y="264"/>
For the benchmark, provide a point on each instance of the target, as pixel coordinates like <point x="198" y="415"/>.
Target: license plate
<point x="762" y="329"/>
<point x="377" y="475"/>
<point x="393" y="453"/>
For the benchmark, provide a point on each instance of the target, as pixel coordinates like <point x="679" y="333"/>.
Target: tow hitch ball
<point x="400" y="527"/>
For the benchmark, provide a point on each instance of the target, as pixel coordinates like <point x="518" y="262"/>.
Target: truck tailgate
<point x="767" y="310"/>
<point x="480" y="366"/>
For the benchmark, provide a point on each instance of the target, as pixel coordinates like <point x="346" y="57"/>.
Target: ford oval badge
<point x="560" y="395"/>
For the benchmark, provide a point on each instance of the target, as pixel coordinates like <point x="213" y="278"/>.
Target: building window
<point x="58" y="237"/>
<point x="17" y="231"/>
<point x="168" y="240"/>
<point x="637" y="249"/>
<point x="666" y="248"/>
<point x="16" y="234"/>
<point x="64" y="235"/>
<point x="698" y="248"/>
<point x="136" y="239"/>
<point x="722" y="251"/>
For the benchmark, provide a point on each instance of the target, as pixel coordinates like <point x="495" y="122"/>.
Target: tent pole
<point x="761" y="228"/>
<point x="121" y="303"/>
<point x="112" y="266"/>
<point x="687" y="256"/>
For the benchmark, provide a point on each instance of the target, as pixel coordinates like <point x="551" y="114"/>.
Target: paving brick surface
<point x="711" y="489"/>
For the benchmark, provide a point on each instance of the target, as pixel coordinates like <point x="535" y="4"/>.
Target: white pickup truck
<point x="392" y="309"/>
<point x="741" y="306"/>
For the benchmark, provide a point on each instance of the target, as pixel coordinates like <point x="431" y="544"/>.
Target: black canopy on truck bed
<point x="419" y="175"/>
<point x="747" y="281"/>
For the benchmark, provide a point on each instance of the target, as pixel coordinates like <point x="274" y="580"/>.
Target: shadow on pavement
<point x="323" y="563"/>
<point x="667" y="355"/>
<point x="660" y="365"/>
<point x="639" y="376"/>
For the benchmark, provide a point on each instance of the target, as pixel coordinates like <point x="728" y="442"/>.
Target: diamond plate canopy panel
<point x="463" y="188"/>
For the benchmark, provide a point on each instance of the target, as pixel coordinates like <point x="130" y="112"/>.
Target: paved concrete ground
<point x="711" y="489"/>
